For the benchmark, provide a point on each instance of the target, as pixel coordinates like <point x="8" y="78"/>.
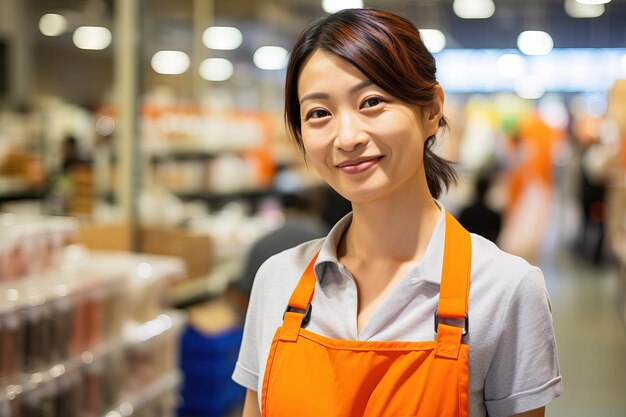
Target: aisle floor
<point x="591" y="338"/>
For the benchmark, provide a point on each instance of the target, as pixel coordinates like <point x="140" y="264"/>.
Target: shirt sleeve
<point x="524" y="373"/>
<point x="246" y="371"/>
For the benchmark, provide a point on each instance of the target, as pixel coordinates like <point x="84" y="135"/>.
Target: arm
<point x="539" y="412"/>
<point x="251" y="406"/>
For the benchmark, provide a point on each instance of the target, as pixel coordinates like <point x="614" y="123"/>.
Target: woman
<point x="334" y="325"/>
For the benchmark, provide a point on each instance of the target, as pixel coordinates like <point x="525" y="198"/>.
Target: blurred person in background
<point x="593" y="177"/>
<point x="336" y="326"/>
<point x="478" y="217"/>
<point x="62" y="186"/>
<point x="530" y="186"/>
<point x="301" y="224"/>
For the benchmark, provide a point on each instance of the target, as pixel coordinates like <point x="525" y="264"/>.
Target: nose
<point x="350" y="134"/>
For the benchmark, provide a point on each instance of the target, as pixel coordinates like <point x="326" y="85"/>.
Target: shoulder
<point x="501" y="275"/>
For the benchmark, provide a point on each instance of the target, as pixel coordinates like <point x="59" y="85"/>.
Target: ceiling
<point x="168" y="24"/>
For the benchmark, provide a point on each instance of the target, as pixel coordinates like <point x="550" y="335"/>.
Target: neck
<point x="395" y="229"/>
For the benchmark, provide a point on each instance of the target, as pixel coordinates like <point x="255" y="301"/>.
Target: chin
<point x="362" y="195"/>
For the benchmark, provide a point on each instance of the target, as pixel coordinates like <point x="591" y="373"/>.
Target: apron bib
<point x="309" y="375"/>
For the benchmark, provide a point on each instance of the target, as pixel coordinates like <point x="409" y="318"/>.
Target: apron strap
<point x="455" y="275"/>
<point x="300" y="301"/>
<point x="454" y="290"/>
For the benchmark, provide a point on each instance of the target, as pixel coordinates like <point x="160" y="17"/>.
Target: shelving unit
<point x="85" y="333"/>
<point x="616" y="212"/>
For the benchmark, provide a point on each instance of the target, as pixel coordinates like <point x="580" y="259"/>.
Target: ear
<point x="434" y="112"/>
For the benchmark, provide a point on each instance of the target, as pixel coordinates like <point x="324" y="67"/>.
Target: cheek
<point x="316" y="143"/>
<point x="315" y="153"/>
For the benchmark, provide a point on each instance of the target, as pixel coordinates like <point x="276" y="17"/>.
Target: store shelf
<point x="81" y="324"/>
<point x="52" y="285"/>
<point x="21" y="194"/>
<point x="166" y="384"/>
<point x="215" y="197"/>
<point x="172" y="321"/>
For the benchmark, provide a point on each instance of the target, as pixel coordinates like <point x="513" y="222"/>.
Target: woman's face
<point x="362" y="141"/>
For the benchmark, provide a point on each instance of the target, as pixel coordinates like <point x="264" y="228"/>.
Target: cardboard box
<point x="195" y="249"/>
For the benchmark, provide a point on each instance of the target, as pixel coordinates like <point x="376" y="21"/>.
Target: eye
<point x="371" y="102"/>
<point x="316" y="114"/>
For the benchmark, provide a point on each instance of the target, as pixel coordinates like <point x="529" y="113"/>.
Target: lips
<point x="355" y="166"/>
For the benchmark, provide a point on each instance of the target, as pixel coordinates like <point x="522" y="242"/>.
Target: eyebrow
<point x="363" y="84"/>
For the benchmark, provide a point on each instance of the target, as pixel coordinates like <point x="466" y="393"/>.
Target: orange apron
<point x="311" y="375"/>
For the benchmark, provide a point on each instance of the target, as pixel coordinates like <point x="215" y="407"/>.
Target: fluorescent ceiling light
<point x="474" y="9"/>
<point x="434" y="40"/>
<point x="511" y="66"/>
<point x="333" y="6"/>
<point x="170" y="62"/>
<point x="216" y="69"/>
<point x="92" y="37"/>
<point x="529" y="87"/>
<point x="52" y="24"/>
<point x="222" y="37"/>
<point x="579" y="10"/>
<point x="593" y="1"/>
<point x="535" y="42"/>
<point x="270" y="57"/>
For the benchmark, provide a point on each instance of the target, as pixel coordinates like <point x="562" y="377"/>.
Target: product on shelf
<point x="85" y="334"/>
<point x="30" y="245"/>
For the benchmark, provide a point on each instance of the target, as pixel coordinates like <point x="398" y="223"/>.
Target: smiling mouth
<point x="358" y="165"/>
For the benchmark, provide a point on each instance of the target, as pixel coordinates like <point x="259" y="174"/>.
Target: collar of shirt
<point x="427" y="269"/>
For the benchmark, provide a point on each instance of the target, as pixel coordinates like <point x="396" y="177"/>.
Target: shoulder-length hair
<point x="389" y="51"/>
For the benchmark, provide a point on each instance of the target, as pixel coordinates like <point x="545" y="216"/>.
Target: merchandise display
<point x="83" y="333"/>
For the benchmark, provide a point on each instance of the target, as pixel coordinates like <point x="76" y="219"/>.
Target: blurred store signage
<point x="563" y="70"/>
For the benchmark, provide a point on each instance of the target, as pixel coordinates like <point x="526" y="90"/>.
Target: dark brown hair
<point x="389" y="51"/>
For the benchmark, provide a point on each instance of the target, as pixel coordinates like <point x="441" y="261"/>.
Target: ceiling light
<point x="593" y="1"/>
<point x="52" y="24"/>
<point x="579" y="10"/>
<point x="535" y="42"/>
<point x="529" y="87"/>
<point x="623" y="64"/>
<point x="170" y="62"/>
<point x="434" y="40"/>
<point x="105" y="126"/>
<point x="474" y="9"/>
<point x="92" y="37"/>
<point x="222" y="37"/>
<point x="511" y="66"/>
<point x="333" y="6"/>
<point x="270" y="57"/>
<point x="216" y="69"/>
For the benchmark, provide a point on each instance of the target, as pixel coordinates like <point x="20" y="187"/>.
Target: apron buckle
<point x="307" y="313"/>
<point x="465" y="326"/>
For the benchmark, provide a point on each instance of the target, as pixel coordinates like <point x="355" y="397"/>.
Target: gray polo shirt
<point x="513" y="358"/>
